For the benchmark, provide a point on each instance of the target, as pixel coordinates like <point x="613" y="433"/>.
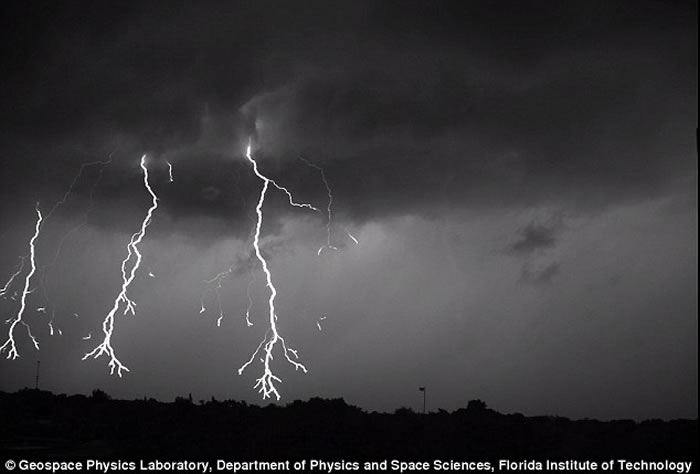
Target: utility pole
<point x="36" y="380"/>
<point x="423" y="389"/>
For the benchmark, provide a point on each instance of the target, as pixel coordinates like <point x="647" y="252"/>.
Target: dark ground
<point x="41" y="424"/>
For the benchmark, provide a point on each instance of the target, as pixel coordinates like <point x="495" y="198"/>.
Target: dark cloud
<point x="534" y="247"/>
<point x="463" y="107"/>
<point x="539" y="276"/>
<point x="534" y="237"/>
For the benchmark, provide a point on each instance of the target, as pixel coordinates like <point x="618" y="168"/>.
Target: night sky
<point x="521" y="178"/>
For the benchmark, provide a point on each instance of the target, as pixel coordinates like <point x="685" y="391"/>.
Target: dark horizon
<point x="101" y="394"/>
<point x="41" y="425"/>
<point x="514" y="212"/>
<point x="415" y="408"/>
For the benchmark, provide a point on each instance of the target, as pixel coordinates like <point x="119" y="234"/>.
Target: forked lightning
<point x="10" y="345"/>
<point x="266" y="383"/>
<point x="128" y="276"/>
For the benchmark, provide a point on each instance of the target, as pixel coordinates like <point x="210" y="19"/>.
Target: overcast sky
<point x="521" y="178"/>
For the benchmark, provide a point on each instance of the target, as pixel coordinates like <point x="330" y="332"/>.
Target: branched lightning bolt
<point x="40" y="224"/>
<point x="75" y="180"/>
<point x="44" y="270"/>
<point x="10" y="343"/>
<point x="127" y="277"/>
<point x="8" y="284"/>
<point x="291" y="198"/>
<point x="266" y="383"/>
<point x="217" y="279"/>
<point x="329" y="208"/>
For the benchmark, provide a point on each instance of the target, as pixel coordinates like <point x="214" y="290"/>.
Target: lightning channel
<point x="250" y="301"/>
<point x="69" y="191"/>
<point x="329" y="207"/>
<point x="10" y="346"/>
<point x="266" y="383"/>
<point x="59" y="203"/>
<point x="8" y="283"/>
<point x="354" y="239"/>
<point x="217" y="280"/>
<point x="105" y="347"/>
<point x="45" y="269"/>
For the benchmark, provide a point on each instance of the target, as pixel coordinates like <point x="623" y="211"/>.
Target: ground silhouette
<point x="41" y="424"/>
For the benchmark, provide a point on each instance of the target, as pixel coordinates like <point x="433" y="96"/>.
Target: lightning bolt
<point x="40" y="224"/>
<point x="44" y="270"/>
<point x="127" y="277"/>
<point x="10" y="343"/>
<point x="250" y="301"/>
<point x="352" y="237"/>
<point x="329" y="208"/>
<point x="266" y="383"/>
<point x="170" y="172"/>
<point x="69" y="191"/>
<point x="8" y="284"/>
<point x="217" y="279"/>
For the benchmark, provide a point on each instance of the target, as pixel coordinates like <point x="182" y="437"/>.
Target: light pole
<point x="423" y="389"/>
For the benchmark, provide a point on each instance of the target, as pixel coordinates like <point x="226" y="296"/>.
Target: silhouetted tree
<point x="183" y="403"/>
<point x="321" y="427"/>
<point x="100" y="396"/>
<point x="477" y="406"/>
